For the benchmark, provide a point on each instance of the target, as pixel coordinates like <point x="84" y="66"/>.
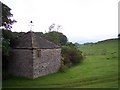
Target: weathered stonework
<point x="35" y="60"/>
<point x="21" y="63"/>
<point x="46" y="61"/>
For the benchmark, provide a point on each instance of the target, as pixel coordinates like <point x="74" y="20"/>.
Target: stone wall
<point x="34" y="63"/>
<point x="21" y="63"/>
<point x="46" y="61"/>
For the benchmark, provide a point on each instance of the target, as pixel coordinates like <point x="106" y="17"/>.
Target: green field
<point x="98" y="70"/>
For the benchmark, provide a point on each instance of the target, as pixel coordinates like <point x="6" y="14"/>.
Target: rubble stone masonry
<point x="33" y="63"/>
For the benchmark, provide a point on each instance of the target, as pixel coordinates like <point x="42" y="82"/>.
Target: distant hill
<point x="108" y="40"/>
<point x="102" y="47"/>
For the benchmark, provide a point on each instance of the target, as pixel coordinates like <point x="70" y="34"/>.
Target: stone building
<point x="34" y="56"/>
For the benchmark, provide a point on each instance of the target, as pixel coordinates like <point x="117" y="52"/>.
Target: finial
<point x="31" y="24"/>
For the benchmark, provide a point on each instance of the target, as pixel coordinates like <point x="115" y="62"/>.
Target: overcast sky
<point x="81" y="20"/>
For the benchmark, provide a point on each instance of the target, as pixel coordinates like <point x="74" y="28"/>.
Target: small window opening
<point x="38" y="53"/>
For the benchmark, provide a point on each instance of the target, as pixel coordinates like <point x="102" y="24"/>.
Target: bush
<point x="63" y="67"/>
<point x="71" y="55"/>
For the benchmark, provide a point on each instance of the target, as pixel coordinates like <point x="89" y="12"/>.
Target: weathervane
<point x="31" y="25"/>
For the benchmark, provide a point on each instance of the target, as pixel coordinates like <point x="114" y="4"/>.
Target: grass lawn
<point x="99" y="70"/>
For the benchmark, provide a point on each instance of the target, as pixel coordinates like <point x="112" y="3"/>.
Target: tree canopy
<point x="56" y="37"/>
<point x="7" y="35"/>
<point x="6" y="17"/>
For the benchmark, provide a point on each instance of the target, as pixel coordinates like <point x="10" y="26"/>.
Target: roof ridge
<point x="32" y="39"/>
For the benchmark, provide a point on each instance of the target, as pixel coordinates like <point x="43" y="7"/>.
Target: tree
<point x="51" y="27"/>
<point x="7" y="36"/>
<point x="6" y="17"/>
<point x="6" y="42"/>
<point x="56" y="37"/>
<point x="63" y="39"/>
<point x="54" y="27"/>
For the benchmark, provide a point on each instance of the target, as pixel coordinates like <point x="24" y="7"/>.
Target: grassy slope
<point x="99" y="70"/>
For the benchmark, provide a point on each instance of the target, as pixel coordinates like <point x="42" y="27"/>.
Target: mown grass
<point x="99" y="70"/>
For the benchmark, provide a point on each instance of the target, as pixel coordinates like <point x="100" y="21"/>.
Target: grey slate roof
<point x="32" y="40"/>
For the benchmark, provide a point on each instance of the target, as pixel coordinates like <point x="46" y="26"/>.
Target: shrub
<point x="71" y="54"/>
<point x="63" y="67"/>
